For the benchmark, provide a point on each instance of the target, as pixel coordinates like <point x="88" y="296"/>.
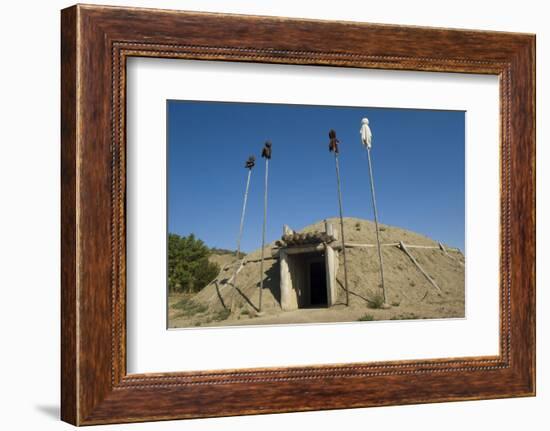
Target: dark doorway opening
<point x="318" y="284"/>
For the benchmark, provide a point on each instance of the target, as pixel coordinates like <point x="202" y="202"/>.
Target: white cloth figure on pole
<point x="366" y="134"/>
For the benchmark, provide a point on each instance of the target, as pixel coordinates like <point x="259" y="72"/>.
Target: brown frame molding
<point x="95" y="43"/>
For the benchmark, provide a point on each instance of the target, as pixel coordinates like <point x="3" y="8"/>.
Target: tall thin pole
<point x="243" y="211"/>
<point x="263" y="234"/>
<point x="342" y="226"/>
<point x="376" y="226"/>
<point x="249" y="165"/>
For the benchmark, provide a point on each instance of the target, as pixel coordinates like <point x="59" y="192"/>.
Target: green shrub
<point x="221" y="315"/>
<point x="366" y="318"/>
<point x="189" y="307"/>
<point x="189" y="269"/>
<point x="376" y="301"/>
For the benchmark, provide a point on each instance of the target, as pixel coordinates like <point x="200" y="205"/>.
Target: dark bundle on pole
<point x="333" y="147"/>
<point x="250" y="162"/>
<point x="266" y="154"/>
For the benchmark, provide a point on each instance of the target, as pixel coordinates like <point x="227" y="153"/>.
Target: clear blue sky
<point x="418" y="159"/>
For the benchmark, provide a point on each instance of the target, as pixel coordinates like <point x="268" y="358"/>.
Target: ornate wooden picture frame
<point x="96" y="42"/>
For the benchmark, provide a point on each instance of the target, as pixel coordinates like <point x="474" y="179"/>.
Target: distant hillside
<point x="222" y="259"/>
<point x="215" y="250"/>
<point x="222" y="256"/>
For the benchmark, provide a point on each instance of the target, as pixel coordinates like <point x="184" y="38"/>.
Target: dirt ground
<point x="410" y="294"/>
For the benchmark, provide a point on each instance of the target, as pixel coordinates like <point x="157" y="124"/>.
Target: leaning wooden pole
<point x="243" y="211"/>
<point x="403" y="247"/>
<point x="333" y="147"/>
<point x="266" y="154"/>
<point x="249" y="165"/>
<point x="377" y="230"/>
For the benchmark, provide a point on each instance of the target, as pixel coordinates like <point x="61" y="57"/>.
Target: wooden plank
<point x="444" y="250"/>
<point x="69" y="285"/>
<point x="424" y="273"/>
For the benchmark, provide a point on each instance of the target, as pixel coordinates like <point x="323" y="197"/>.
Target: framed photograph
<point x="266" y="215"/>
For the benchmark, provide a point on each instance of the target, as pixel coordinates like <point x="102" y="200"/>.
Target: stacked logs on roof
<point x="307" y="238"/>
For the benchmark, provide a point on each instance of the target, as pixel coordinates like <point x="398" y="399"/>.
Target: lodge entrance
<point x="308" y="265"/>
<point x="318" y="284"/>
